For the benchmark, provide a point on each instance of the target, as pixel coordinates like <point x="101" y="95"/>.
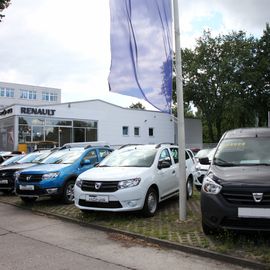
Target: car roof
<point x="85" y="144"/>
<point x="147" y="146"/>
<point x="247" y="133"/>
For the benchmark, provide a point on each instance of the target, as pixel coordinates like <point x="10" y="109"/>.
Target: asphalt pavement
<point x="31" y="241"/>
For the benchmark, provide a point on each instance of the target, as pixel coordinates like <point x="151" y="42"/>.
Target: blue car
<point x="56" y="174"/>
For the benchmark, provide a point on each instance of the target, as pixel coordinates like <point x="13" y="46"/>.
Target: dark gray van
<point x="236" y="189"/>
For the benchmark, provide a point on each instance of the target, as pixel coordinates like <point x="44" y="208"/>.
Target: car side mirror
<point x="204" y="161"/>
<point x="163" y="164"/>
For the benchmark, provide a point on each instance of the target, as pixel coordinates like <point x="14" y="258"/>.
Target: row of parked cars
<point x="134" y="177"/>
<point x="234" y="178"/>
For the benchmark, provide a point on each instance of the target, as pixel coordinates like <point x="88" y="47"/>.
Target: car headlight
<point x="210" y="186"/>
<point x="79" y="182"/>
<point x="129" y="183"/>
<point x="51" y="175"/>
<point x="16" y="175"/>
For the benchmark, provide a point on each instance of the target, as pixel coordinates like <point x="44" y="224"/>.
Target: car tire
<point x="68" y="192"/>
<point x="28" y="200"/>
<point x="150" y="203"/>
<point x="189" y="188"/>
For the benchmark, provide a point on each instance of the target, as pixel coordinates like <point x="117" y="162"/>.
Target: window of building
<point x="6" y="92"/>
<point x="49" y="96"/>
<point x="125" y="130"/>
<point x="38" y="133"/>
<point x="136" y="131"/>
<point x="91" y="124"/>
<point x="151" y="132"/>
<point x="28" y="94"/>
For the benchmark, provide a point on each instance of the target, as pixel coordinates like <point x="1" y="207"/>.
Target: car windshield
<point x="135" y="157"/>
<point x="243" y="152"/>
<point x="68" y="156"/>
<point x="34" y="157"/>
<point x="12" y="160"/>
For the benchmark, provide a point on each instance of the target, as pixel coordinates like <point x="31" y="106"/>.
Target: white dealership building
<point x="26" y="127"/>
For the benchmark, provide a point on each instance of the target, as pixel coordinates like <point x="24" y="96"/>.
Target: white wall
<point x="112" y="118"/>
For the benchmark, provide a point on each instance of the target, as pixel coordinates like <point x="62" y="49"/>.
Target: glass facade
<point x="33" y="130"/>
<point x="7" y="134"/>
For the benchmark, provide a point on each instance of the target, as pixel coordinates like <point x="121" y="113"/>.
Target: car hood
<point x="46" y="168"/>
<point x="242" y="175"/>
<point x="18" y="166"/>
<point x="113" y="173"/>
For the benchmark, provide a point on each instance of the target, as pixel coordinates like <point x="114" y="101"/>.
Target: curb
<point x="162" y="243"/>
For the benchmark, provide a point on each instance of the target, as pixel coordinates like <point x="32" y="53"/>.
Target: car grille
<point x="27" y="178"/>
<point x="245" y="197"/>
<point x="200" y="178"/>
<point x="6" y="174"/>
<point x="112" y="204"/>
<point x="106" y="186"/>
<point x="36" y="192"/>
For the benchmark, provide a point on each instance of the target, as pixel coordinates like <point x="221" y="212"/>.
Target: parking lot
<point x="165" y="225"/>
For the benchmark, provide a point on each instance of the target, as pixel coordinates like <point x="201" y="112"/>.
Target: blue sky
<point x="66" y="44"/>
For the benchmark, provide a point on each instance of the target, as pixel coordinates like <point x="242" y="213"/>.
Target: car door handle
<point x="173" y="172"/>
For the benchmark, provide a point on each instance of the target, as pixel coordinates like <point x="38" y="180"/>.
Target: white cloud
<point x="66" y="44"/>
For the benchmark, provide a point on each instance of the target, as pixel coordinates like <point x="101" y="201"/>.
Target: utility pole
<point x="180" y="117"/>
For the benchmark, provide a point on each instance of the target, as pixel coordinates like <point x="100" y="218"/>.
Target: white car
<point x="132" y="178"/>
<point x="203" y="168"/>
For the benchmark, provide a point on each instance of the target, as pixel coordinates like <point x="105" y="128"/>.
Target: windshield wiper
<point x="103" y="166"/>
<point x="255" y="164"/>
<point x="223" y="163"/>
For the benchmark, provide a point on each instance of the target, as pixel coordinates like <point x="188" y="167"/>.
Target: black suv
<point x="236" y="190"/>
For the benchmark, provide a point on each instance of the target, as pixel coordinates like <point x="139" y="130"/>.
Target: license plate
<point x="91" y="198"/>
<point x="254" y="212"/>
<point x="4" y="181"/>
<point x="27" y="187"/>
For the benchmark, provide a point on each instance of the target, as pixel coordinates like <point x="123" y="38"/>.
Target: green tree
<point x="214" y="79"/>
<point x="137" y="105"/>
<point x="261" y="78"/>
<point x="3" y="4"/>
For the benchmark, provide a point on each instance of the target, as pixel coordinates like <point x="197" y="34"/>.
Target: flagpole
<point x="180" y="117"/>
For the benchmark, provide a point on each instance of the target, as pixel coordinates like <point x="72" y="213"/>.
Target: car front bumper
<point x="118" y="201"/>
<point x="218" y="213"/>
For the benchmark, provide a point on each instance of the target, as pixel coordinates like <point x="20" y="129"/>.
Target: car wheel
<point x="150" y="203"/>
<point x="28" y="200"/>
<point x="68" y="193"/>
<point x="208" y="230"/>
<point x="189" y="188"/>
